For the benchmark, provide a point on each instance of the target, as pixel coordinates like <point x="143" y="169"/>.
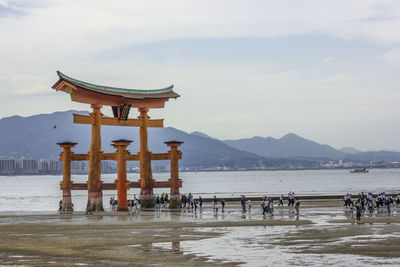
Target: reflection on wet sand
<point x="322" y="231"/>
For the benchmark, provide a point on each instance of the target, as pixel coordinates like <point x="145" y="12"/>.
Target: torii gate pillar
<point x="66" y="183"/>
<point x="146" y="176"/>
<point x="122" y="182"/>
<point x="95" y="194"/>
<point x="174" y="181"/>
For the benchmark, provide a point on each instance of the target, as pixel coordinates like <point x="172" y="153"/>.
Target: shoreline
<point x="238" y="170"/>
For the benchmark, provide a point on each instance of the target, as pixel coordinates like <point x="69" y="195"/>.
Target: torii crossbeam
<point x="121" y="100"/>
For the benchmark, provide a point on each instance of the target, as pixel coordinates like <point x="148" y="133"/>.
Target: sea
<point x="41" y="193"/>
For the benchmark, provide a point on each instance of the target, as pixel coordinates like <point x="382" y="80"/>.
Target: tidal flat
<point x="323" y="233"/>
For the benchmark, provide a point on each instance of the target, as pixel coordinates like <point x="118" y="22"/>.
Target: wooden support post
<point x="66" y="183"/>
<point x="146" y="177"/>
<point x="122" y="184"/>
<point x="95" y="194"/>
<point x="174" y="181"/>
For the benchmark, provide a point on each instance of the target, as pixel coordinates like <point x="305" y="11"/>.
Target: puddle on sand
<point x="256" y="246"/>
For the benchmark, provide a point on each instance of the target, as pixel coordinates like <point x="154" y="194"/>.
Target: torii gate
<point x="121" y="100"/>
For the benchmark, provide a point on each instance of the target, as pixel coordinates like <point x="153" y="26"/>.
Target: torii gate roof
<point x="98" y="94"/>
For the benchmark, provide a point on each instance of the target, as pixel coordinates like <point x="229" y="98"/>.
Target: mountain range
<point x="36" y="137"/>
<point x="289" y="146"/>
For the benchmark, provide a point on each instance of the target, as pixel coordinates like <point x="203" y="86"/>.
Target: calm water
<point x="21" y="194"/>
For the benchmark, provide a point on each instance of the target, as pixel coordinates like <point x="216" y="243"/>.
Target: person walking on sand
<point x="280" y="201"/>
<point x="88" y="208"/>
<point x="270" y="205"/>
<point x="200" y="202"/>
<point x="297" y="206"/>
<point x="223" y="205"/>
<point x="130" y="206"/>
<point x="114" y="203"/>
<point x="183" y="200"/>
<point x="192" y="202"/>
<point x="387" y="202"/>
<point x="60" y="206"/>
<point x="263" y="206"/>
<point x="243" y="202"/>
<point x="215" y="202"/>
<point x="135" y="204"/>
<point x="358" y="211"/>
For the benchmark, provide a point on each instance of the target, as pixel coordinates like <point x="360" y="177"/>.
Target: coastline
<point x="211" y="170"/>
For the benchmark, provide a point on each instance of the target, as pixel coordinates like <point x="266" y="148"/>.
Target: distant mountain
<point x="293" y="146"/>
<point x="350" y="150"/>
<point x="36" y="137"/>
<point x="197" y="133"/>
<point x="289" y="146"/>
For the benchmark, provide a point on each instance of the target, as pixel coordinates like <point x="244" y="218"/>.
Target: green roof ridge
<point x="115" y="89"/>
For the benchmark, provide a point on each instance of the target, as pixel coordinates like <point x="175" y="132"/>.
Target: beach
<point x="323" y="233"/>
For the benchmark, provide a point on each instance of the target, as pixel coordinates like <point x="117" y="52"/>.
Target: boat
<point x="363" y="170"/>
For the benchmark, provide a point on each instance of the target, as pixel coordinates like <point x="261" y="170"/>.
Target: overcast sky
<point x="325" y="70"/>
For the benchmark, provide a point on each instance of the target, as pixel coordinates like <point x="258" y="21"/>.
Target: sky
<point x="325" y="70"/>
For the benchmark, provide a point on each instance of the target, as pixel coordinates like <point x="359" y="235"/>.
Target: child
<point x="249" y="204"/>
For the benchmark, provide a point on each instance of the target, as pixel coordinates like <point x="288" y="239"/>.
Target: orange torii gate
<point x="121" y="100"/>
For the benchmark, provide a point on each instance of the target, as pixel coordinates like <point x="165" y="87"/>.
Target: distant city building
<point x="49" y="166"/>
<point x="55" y="166"/>
<point x="43" y="166"/>
<point x="7" y="166"/>
<point x="28" y="165"/>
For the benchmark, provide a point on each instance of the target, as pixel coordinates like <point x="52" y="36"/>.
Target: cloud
<point x="327" y="59"/>
<point x="393" y="56"/>
<point x="53" y="32"/>
<point x="72" y="28"/>
<point x="24" y="84"/>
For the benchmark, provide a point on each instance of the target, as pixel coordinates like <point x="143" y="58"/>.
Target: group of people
<point x="113" y="203"/>
<point x="215" y="204"/>
<point x="365" y="202"/>
<point x="267" y="206"/>
<point x="292" y="201"/>
<point x="188" y="201"/>
<point x="161" y="200"/>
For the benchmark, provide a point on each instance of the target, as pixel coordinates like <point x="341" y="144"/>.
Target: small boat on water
<point x="363" y="170"/>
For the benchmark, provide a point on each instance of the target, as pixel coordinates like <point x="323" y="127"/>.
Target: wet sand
<point x="323" y="233"/>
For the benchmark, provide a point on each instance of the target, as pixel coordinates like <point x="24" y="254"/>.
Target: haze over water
<point x="24" y="194"/>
